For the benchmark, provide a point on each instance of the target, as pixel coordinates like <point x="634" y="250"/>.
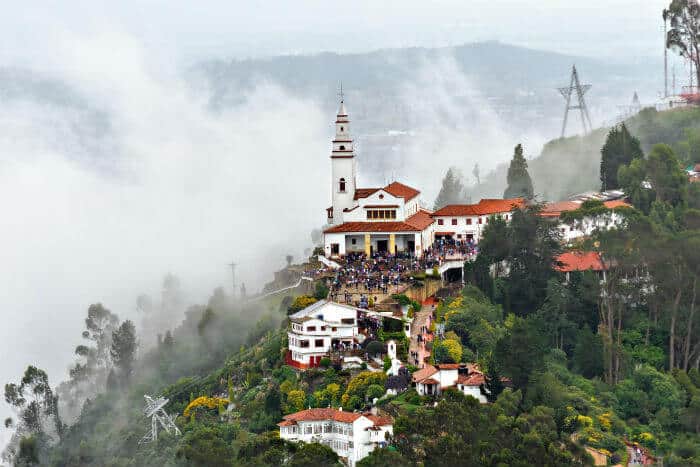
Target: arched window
<point x="342" y="129"/>
<point x="342" y="148"/>
<point x="341" y="185"/>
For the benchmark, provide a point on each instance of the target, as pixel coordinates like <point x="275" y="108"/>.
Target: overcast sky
<point x="225" y="28"/>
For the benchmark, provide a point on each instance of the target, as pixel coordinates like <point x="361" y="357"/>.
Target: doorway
<point x="382" y="246"/>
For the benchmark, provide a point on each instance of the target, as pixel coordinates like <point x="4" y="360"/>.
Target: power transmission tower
<point x="154" y="410"/>
<point x="575" y="87"/>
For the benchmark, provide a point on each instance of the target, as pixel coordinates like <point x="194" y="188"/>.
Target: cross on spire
<point x="340" y="94"/>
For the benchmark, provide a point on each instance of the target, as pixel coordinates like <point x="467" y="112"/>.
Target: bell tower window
<point x="342" y="147"/>
<point x="342" y="129"/>
<point x="341" y="185"/>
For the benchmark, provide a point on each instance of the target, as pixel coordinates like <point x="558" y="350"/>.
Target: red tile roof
<point x="448" y="366"/>
<point x="401" y="191"/>
<point x="423" y="373"/>
<point x="380" y="420"/>
<point x="483" y="207"/>
<point x="580" y="261"/>
<point x="618" y="203"/>
<point x="311" y="415"/>
<point x="364" y="192"/>
<point x="430" y="381"/>
<point x="555" y="209"/>
<point x="416" y="223"/>
<point x="322" y="414"/>
<point x="474" y="379"/>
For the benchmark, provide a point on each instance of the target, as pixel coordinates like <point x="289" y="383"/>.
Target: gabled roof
<point x="580" y="261"/>
<point x="483" y="207"/>
<point x="364" y="192"/>
<point x="423" y="373"/>
<point x="401" y="191"/>
<point x="314" y="307"/>
<point x="474" y="379"/>
<point x="416" y="223"/>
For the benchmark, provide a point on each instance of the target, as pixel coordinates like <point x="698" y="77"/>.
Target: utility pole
<point x="579" y="89"/>
<point x="233" y="279"/>
<point x="665" y="17"/>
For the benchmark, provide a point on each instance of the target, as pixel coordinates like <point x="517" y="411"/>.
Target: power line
<point x="575" y="87"/>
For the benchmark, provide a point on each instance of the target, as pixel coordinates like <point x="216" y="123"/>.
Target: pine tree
<point x="620" y="148"/>
<point x="123" y="349"/>
<point x="519" y="181"/>
<point x="452" y="190"/>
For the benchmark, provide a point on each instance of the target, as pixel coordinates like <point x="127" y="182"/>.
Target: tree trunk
<point x="689" y="332"/>
<point x="672" y="331"/>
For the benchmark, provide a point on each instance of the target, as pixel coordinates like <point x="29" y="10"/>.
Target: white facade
<point x="313" y="331"/>
<point x="466" y="222"/>
<point x="387" y="219"/>
<point x="351" y="435"/>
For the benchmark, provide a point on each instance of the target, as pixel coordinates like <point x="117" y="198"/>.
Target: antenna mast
<point x="579" y="89"/>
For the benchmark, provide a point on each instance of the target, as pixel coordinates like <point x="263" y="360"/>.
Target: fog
<point x="173" y="187"/>
<point x="115" y="170"/>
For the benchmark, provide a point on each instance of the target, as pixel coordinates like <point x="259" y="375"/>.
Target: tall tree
<point x="452" y="190"/>
<point x="519" y="181"/>
<point x="619" y="149"/>
<point x="684" y="34"/>
<point x="123" y="349"/>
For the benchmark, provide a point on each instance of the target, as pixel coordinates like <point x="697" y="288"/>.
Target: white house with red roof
<point x="579" y="261"/>
<point x="466" y="378"/>
<point x="466" y="222"/>
<point x="351" y="435"/>
<point x="384" y="219"/>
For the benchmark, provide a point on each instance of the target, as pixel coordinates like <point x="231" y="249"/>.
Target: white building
<point x="351" y="435"/>
<point x="466" y="222"/>
<point x="584" y="227"/>
<point x="385" y="219"/>
<point x="314" y="331"/>
<point x="433" y="380"/>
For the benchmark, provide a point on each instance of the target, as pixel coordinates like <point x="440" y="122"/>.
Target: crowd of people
<point x="368" y="277"/>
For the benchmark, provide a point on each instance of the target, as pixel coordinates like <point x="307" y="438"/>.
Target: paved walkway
<point x="420" y="334"/>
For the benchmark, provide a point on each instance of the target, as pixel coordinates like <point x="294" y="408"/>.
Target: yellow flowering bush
<point x="605" y="421"/>
<point x="584" y="421"/>
<point x="204" y="401"/>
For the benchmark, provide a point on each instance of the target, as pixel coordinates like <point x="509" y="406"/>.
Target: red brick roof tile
<point x="423" y="373"/>
<point x="320" y="414"/>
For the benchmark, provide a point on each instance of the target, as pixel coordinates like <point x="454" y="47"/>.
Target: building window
<point x="481" y="220"/>
<point x="342" y="129"/>
<point x="454" y="221"/>
<point x="381" y="214"/>
<point x="341" y="185"/>
<point x="342" y="147"/>
<point x="304" y="344"/>
<point x="441" y="222"/>
<point x="311" y="328"/>
<point x="353" y="241"/>
<point x="469" y="222"/>
<point x="318" y="342"/>
<point x="308" y="429"/>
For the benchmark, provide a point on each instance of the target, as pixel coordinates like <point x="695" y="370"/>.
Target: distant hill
<point x="567" y="166"/>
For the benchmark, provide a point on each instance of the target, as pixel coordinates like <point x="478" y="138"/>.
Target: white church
<point x="371" y="220"/>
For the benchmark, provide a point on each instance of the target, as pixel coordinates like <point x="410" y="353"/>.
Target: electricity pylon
<point x="576" y="87"/>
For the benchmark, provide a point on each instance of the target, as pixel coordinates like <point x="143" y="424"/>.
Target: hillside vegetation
<point x="568" y="166"/>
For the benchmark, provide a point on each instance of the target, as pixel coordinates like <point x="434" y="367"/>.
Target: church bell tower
<point x="344" y="172"/>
